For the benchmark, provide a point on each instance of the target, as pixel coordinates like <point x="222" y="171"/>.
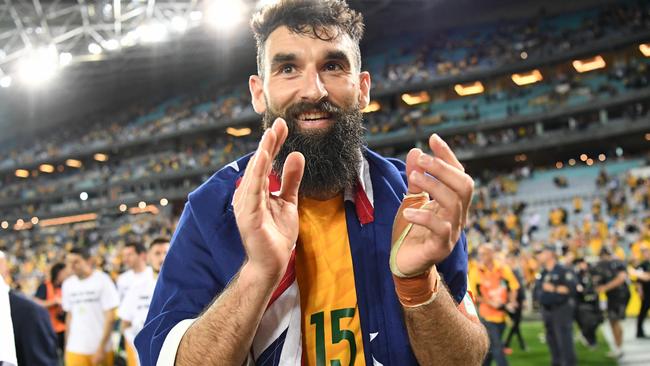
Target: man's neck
<point x="86" y="275"/>
<point x="138" y="268"/>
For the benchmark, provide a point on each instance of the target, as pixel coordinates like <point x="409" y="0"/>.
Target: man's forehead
<point x="283" y="40"/>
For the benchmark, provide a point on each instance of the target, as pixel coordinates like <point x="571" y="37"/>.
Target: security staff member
<point x="557" y="289"/>
<point x="588" y="314"/>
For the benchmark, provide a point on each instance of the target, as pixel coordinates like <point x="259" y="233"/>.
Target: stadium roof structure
<point x="102" y="54"/>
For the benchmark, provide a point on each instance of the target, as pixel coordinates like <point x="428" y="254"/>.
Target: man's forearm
<point x="223" y="334"/>
<point x="441" y="335"/>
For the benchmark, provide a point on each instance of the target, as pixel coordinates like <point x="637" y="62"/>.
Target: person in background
<point x="48" y="295"/>
<point x="34" y="339"/>
<point x="496" y="289"/>
<point x="557" y="288"/>
<point x="588" y="314"/>
<point x="514" y="261"/>
<point x="134" y="257"/>
<point x="90" y="298"/>
<point x="611" y="279"/>
<point x="643" y="286"/>
<point x="135" y="305"/>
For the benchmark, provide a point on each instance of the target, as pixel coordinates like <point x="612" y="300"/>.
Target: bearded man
<point x="313" y="249"/>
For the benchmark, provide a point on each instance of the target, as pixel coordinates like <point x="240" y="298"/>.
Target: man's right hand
<point x="268" y="224"/>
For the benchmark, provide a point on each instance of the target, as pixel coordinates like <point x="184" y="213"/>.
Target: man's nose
<point x="313" y="89"/>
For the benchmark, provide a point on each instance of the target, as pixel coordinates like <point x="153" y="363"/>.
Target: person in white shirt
<point x="90" y="298"/>
<point x="134" y="257"/>
<point x="135" y="305"/>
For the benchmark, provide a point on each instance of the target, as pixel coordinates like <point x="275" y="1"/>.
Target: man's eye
<point x="287" y="69"/>
<point x="332" y="66"/>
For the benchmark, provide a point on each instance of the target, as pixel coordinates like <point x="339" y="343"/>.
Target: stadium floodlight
<point x="572" y="162"/>
<point x="527" y="78"/>
<point x="111" y="45"/>
<point x="73" y="163"/>
<point x="130" y="39"/>
<point x="5" y="225"/>
<point x="46" y="168"/>
<point x="34" y="220"/>
<point x="83" y="196"/>
<point x="559" y="165"/>
<point x="645" y="49"/>
<point x="583" y="157"/>
<point x="65" y="58"/>
<point x="22" y="173"/>
<point x="151" y="33"/>
<point x="589" y="64"/>
<point x="39" y="66"/>
<point x="416" y="98"/>
<point x="238" y="132"/>
<point x="20" y="222"/>
<point x="196" y="15"/>
<point x="142" y="205"/>
<point x="373" y="106"/>
<point x="179" y="24"/>
<point x="5" y="81"/>
<point x="100" y="157"/>
<point x="122" y="207"/>
<point x="224" y="15"/>
<point x="523" y="55"/>
<point x="602" y="157"/>
<point x="469" y="89"/>
<point x="164" y="202"/>
<point x="619" y="151"/>
<point x="94" y="48"/>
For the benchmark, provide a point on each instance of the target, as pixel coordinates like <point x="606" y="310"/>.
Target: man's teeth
<point x="313" y="116"/>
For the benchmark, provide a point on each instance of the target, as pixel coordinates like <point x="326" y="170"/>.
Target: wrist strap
<point x="419" y="290"/>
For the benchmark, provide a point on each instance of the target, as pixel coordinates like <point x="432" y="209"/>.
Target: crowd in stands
<point x="485" y="46"/>
<point x="451" y="53"/>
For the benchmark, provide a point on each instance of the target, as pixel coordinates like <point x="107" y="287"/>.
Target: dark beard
<point x="332" y="156"/>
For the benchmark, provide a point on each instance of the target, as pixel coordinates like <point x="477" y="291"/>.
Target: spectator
<point x="90" y="298"/>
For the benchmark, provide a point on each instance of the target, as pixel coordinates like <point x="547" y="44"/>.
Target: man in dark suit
<point x="33" y="334"/>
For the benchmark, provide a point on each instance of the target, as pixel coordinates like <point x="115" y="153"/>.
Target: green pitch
<point x="538" y="353"/>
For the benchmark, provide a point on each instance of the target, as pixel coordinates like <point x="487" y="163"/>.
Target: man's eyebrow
<point x="338" y="56"/>
<point x="281" y="58"/>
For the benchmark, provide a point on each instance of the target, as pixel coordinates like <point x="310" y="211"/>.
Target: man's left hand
<point x="99" y="356"/>
<point x="437" y="226"/>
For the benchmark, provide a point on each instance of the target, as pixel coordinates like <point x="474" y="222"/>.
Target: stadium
<point x="124" y="123"/>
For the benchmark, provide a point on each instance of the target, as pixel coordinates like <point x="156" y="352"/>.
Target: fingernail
<point x="409" y="213"/>
<point x="425" y="159"/>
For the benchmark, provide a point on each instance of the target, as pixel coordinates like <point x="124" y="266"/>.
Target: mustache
<point x="293" y="111"/>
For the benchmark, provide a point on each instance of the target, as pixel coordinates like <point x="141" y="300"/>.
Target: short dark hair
<point x="138" y="247"/>
<point x="159" y="240"/>
<point x="83" y="252"/>
<point x="307" y="17"/>
<point x="55" y="270"/>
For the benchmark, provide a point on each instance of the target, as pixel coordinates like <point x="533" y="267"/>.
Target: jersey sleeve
<point x="109" y="298"/>
<point x="65" y="296"/>
<point x="125" y="310"/>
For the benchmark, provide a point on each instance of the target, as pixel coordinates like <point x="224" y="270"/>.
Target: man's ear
<point x="364" y="89"/>
<point x="256" y="87"/>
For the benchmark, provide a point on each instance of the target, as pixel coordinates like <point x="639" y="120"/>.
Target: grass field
<point x="538" y="353"/>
